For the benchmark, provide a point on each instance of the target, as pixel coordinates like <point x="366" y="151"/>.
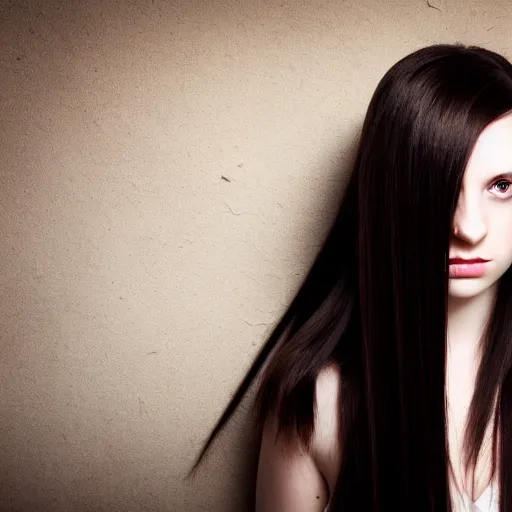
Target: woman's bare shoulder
<point x="291" y="477"/>
<point x="325" y="444"/>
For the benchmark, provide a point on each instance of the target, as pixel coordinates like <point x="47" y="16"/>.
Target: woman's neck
<point x="467" y="319"/>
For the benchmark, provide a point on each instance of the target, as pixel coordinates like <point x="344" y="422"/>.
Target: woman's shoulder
<point x="325" y="445"/>
<point x="291" y="476"/>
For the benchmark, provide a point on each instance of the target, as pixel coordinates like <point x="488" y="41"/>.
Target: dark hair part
<point x="374" y="302"/>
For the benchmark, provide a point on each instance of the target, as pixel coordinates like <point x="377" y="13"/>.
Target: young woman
<point x="387" y="383"/>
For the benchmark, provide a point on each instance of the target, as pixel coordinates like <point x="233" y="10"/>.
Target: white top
<point x="487" y="502"/>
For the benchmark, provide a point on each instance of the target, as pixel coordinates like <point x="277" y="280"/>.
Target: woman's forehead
<point x="492" y="153"/>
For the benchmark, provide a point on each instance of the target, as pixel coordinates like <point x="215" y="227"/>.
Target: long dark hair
<point x="374" y="301"/>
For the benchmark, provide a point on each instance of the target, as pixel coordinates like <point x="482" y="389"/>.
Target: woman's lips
<point x="461" y="268"/>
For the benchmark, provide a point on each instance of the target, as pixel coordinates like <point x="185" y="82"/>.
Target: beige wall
<point x="137" y="284"/>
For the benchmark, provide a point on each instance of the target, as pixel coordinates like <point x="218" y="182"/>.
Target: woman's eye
<point x="503" y="186"/>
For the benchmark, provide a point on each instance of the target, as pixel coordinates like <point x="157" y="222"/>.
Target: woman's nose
<point x="469" y="223"/>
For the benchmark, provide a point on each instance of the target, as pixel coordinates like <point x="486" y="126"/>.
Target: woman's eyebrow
<point x="503" y="175"/>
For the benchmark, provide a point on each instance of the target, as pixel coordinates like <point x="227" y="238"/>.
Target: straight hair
<point x="374" y="302"/>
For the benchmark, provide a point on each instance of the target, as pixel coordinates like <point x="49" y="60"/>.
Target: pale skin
<point x="294" y="480"/>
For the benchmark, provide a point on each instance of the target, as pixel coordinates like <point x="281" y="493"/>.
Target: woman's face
<point x="483" y="219"/>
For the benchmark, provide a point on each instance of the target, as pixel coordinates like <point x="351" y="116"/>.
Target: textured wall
<point x="136" y="284"/>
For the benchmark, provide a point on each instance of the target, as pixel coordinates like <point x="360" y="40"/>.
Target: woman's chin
<point x="465" y="288"/>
